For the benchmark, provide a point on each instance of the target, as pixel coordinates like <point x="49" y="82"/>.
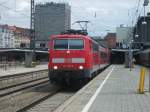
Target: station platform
<point x="21" y="69"/>
<point x="113" y="90"/>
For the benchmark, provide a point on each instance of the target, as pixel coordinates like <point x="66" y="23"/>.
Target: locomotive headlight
<point x="55" y="67"/>
<point x="81" y="67"/>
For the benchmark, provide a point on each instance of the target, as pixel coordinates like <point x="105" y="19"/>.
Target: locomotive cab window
<point x="76" y="44"/>
<point x="61" y="44"/>
<point x="64" y="44"/>
<point x="94" y="47"/>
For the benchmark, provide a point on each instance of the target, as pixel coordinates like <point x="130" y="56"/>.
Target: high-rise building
<point x="124" y="36"/>
<point x="50" y="18"/>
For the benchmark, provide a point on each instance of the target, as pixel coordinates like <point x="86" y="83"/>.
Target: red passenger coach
<point x="75" y="56"/>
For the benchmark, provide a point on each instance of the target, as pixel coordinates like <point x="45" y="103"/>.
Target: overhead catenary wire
<point x="96" y="18"/>
<point x="4" y="2"/>
<point x="2" y="5"/>
<point x="136" y="12"/>
<point x="140" y="11"/>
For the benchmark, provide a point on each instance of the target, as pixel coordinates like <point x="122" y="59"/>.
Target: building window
<point x="22" y="45"/>
<point x="3" y="30"/>
<point x="42" y="45"/>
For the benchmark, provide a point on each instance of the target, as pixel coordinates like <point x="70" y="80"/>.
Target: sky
<point x="104" y="15"/>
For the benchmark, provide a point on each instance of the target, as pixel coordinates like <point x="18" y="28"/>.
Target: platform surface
<point x="114" y="90"/>
<point x="21" y="69"/>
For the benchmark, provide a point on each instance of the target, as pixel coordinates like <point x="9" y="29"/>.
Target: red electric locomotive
<point x="75" y="56"/>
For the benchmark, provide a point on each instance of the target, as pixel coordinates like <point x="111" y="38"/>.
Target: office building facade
<point x="50" y="19"/>
<point x="124" y="36"/>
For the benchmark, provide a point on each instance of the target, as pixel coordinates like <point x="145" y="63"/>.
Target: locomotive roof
<point x="71" y="36"/>
<point x="75" y="36"/>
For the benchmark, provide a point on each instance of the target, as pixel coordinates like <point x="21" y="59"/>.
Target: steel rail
<point x="20" y="74"/>
<point x="19" y="88"/>
<point x="7" y="80"/>
<point x="24" y="109"/>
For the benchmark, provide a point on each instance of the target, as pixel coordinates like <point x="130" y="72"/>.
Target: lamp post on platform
<point x="145" y="23"/>
<point x="130" y="55"/>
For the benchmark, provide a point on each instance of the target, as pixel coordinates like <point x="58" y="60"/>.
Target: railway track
<point x="21" y="87"/>
<point x="14" y="87"/>
<point x="36" y="102"/>
<point x="25" y="98"/>
<point x="22" y="92"/>
<point x="18" y="82"/>
<point x="34" y="95"/>
<point x="9" y="81"/>
<point x="30" y="98"/>
<point x="52" y="103"/>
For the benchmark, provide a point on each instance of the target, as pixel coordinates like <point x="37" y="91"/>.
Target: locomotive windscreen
<point x="65" y="44"/>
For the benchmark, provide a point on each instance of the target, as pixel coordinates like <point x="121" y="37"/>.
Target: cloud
<point x="109" y="13"/>
<point x="23" y="5"/>
<point x="93" y="9"/>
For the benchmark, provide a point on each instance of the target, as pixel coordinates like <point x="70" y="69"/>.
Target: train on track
<point x="143" y="57"/>
<point x="75" y="56"/>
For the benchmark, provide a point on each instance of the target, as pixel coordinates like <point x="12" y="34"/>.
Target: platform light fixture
<point x="136" y="36"/>
<point x="144" y="22"/>
<point x="145" y="2"/>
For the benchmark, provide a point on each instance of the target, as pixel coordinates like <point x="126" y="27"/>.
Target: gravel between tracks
<point x="19" y="101"/>
<point x="52" y="103"/>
